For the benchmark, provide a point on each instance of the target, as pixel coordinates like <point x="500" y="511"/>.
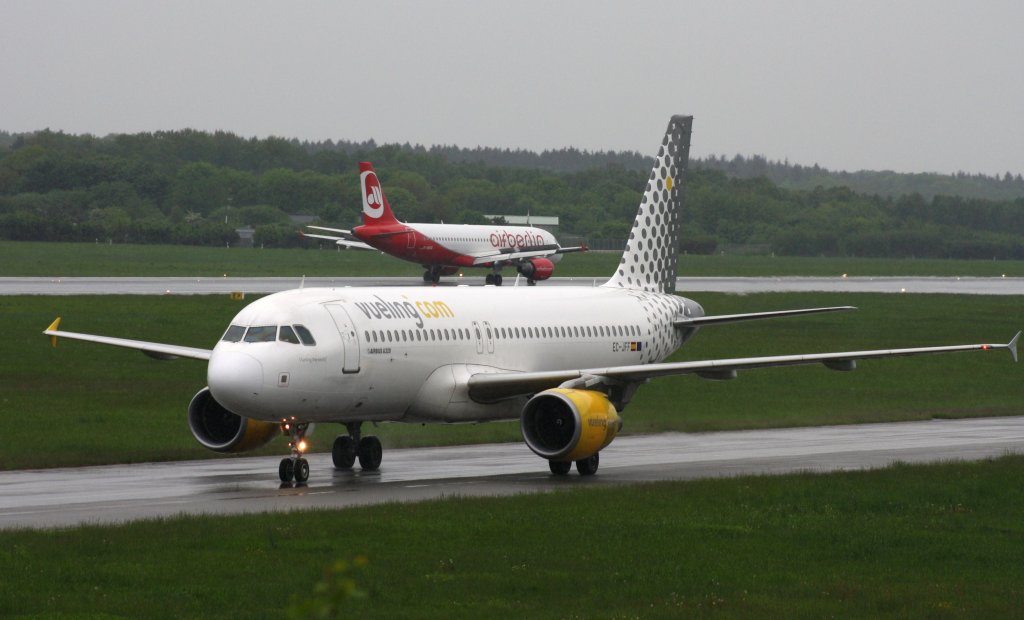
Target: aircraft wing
<point x="152" y="349"/>
<point x="512" y="254"/>
<point x="498" y="386"/>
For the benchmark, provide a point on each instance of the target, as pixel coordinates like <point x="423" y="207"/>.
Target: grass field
<point x="940" y="541"/>
<point x="88" y="404"/>
<point x="90" y="259"/>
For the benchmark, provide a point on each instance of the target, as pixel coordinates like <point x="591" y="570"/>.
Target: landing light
<point x="302" y="446"/>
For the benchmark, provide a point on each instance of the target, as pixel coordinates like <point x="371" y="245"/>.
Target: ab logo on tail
<point x="373" y="196"/>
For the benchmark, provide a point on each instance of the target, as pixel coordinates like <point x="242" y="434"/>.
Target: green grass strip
<point x="83" y="403"/>
<point x="20" y="258"/>
<point x="941" y="541"/>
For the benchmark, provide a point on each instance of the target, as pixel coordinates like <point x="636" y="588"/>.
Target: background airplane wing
<point x="511" y="254"/>
<point x="152" y="349"/>
<point x="498" y="386"/>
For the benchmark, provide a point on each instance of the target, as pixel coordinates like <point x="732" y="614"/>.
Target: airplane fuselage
<point x="405" y="354"/>
<point x="452" y="245"/>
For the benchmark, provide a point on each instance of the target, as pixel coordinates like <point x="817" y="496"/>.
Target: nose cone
<point x="235" y="380"/>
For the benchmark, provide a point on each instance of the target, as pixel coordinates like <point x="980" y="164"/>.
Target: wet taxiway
<point x="114" y="494"/>
<point x="224" y="285"/>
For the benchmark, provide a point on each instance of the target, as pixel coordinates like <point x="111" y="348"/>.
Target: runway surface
<point x="113" y="494"/>
<point x="225" y="285"/>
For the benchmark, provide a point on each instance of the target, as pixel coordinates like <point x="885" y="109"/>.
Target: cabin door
<point x="349" y="337"/>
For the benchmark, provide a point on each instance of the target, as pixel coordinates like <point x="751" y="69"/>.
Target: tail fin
<point x="649" y="260"/>
<point x="376" y="210"/>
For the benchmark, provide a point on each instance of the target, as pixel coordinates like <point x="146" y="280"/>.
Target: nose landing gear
<point x="294" y="467"/>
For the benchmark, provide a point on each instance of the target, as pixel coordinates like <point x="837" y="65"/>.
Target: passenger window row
<point x="561" y="332"/>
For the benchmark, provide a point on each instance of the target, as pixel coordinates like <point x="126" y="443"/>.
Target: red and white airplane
<point x="444" y="249"/>
<point x="563" y="361"/>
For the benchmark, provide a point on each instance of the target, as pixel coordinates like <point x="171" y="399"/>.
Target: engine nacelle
<point x="568" y="425"/>
<point x="223" y="431"/>
<point x="537" y="268"/>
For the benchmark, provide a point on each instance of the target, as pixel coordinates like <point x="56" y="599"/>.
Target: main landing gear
<point x="295" y="467"/>
<point x="432" y="274"/>
<point x="586" y="467"/>
<point x="493" y="278"/>
<point x="347" y="448"/>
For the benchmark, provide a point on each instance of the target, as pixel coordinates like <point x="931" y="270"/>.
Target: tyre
<point x="286" y="470"/>
<point x="343" y="452"/>
<point x="301" y="470"/>
<point x="588" y="466"/>
<point x="370" y="453"/>
<point x="560" y="468"/>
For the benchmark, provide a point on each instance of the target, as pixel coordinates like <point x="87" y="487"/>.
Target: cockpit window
<point x="304" y="335"/>
<point x="287" y="334"/>
<point x="234" y="333"/>
<point x="267" y="333"/>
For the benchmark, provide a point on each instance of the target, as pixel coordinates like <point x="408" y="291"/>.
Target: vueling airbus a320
<point x="563" y="360"/>
<point x="444" y="249"/>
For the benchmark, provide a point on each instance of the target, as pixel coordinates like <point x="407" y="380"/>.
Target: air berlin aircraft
<point x="563" y="361"/>
<point x="444" y="249"/>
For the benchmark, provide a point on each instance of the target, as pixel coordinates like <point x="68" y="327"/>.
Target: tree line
<point x="195" y="187"/>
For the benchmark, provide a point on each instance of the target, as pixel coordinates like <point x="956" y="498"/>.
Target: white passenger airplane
<point x="563" y="360"/>
<point x="444" y="249"/>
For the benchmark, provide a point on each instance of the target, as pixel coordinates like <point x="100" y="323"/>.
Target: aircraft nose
<point x="235" y="379"/>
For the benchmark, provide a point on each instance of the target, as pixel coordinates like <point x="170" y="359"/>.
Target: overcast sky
<point x="911" y="86"/>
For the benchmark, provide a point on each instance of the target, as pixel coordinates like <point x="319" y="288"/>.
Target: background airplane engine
<point x="537" y="268"/>
<point x="219" y="430"/>
<point x="568" y="425"/>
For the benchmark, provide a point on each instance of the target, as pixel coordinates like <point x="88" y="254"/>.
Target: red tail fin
<point x="376" y="210"/>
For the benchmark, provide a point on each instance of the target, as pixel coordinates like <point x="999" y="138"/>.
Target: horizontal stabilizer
<point x="341" y="231"/>
<point x="736" y="318"/>
<point x="345" y="243"/>
<point x="344" y="238"/>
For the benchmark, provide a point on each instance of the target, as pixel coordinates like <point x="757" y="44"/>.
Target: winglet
<point x="1012" y="346"/>
<point x="56" y="324"/>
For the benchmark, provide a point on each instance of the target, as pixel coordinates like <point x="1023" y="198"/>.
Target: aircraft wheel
<point x="560" y="468"/>
<point x="426" y="276"/>
<point x="588" y="466"/>
<point x="301" y="469"/>
<point x="489" y="278"/>
<point x="343" y="452"/>
<point x="531" y="282"/>
<point x="435" y="277"/>
<point x="286" y="470"/>
<point x="497" y="279"/>
<point x="370" y="453"/>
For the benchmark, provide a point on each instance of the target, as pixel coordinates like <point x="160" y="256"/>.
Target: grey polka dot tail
<point x="649" y="261"/>
<point x="648" y="265"/>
